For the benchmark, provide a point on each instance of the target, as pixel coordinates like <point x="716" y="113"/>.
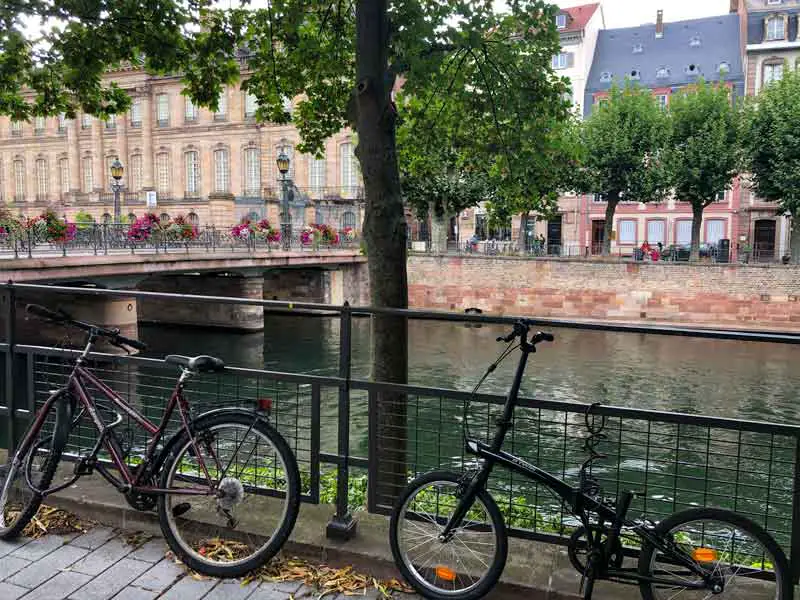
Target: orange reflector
<point x="704" y="554"/>
<point x="445" y="573"/>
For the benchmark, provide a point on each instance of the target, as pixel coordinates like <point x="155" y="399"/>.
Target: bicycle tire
<point x="58" y="441"/>
<point x="496" y="568"/>
<point x="276" y="540"/>
<point x="782" y="574"/>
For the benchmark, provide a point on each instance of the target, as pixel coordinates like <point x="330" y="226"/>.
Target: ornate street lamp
<point x="286" y="217"/>
<point x="117" y="171"/>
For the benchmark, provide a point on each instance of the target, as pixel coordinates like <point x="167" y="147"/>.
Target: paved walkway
<point x="101" y="565"/>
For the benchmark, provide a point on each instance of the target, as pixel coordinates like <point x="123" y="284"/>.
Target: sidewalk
<point x="104" y="563"/>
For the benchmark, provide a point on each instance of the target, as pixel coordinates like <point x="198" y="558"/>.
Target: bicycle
<point x="226" y="484"/>
<point x="449" y="540"/>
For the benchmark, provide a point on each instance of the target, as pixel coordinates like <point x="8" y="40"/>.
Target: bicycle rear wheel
<point x="467" y="565"/>
<point x="256" y="497"/>
<point x="38" y="461"/>
<point x="742" y="558"/>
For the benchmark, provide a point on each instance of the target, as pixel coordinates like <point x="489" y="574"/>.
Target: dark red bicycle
<point x="226" y="484"/>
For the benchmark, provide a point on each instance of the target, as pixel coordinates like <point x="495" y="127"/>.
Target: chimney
<point x="659" y="24"/>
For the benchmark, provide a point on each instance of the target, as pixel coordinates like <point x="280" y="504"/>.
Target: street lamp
<point x="116" y="173"/>
<point x="286" y="217"/>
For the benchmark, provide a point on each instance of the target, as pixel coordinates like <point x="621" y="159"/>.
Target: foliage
<point x="314" y="234"/>
<point x="349" y="234"/>
<point x="622" y="151"/>
<point x="83" y="220"/>
<point x="262" y="229"/>
<point x="267" y="231"/>
<point x="703" y="153"/>
<point x="770" y="134"/>
<point x="10" y="226"/>
<point x="181" y="229"/>
<point x="144" y="227"/>
<point x="51" y="228"/>
<point x="244" y="230"/>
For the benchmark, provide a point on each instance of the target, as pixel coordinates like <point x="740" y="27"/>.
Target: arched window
<point x="253" y="216"/>
<point x="221" y="171"/>
<point x="349" y="170"/>
<point x="349" y="219"/>
<point x="162" y="173"/>
<point x="164" y="218"/>
<point x="63" y="174"/>
<point x="41" y="179"/>
<point x="192" y="165"/>
<point x="193" y="219"/>
<point x="252" y="172"/>
<point x="88" y="175"/>
<point x="135" y="176"/>
<point x="106" y="218"/>
<point x="316" y="173"/>
<point x="19" y="180"/>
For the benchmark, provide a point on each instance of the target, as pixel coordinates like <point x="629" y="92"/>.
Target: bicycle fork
<point x="599" y="556"/>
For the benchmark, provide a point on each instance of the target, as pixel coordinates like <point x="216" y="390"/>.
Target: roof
<point x="704" y="43"/>
<point x="579" y="16"/>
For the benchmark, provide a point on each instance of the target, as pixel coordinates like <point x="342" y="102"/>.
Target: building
<point x="664" y="57"/>
<point x="213" y="167"/>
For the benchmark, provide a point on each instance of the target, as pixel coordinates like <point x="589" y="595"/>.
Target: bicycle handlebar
<point x="521" y="329"/>
<point x="113" y="335"/>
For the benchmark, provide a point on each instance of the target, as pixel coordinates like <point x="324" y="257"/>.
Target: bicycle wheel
<point x="742" y="558"/>
<point x="253" y="511"/>
<point x="466" y="566"/>
<point x="18" y="502"/>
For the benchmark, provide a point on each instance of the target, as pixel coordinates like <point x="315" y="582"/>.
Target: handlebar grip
<point x="507" y="338"/>
<point x="44" y="313"/>
<point x="135" y="344"/>
<point x="546" y="337"/>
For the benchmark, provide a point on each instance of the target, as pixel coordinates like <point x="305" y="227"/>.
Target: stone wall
<point x="347" y="283"/>
<point x="707" y="294"/>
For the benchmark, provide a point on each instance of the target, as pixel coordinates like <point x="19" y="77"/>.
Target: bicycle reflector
<point x="265" y="404"/>
<point x="445" y="573"/>
<point x="704" y="555"/>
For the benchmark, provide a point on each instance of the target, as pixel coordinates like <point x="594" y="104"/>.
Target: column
<point x="74" y="156"/>
<point x="98" y="164"/>
<point x="147" y="141"/>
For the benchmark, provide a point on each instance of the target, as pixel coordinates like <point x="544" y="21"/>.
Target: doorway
<point x="554" y="236"/>
<point x="764" y="240"/>
<point x="598" y="235"/>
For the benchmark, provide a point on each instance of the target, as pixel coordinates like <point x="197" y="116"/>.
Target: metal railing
<point x="674" y="460"/>
<point x="111" y="238"/>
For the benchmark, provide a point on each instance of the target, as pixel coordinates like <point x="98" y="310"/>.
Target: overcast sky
<point x="629" y="13"/>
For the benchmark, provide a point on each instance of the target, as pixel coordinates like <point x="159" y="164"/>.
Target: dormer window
<point x="774" y="2"/>
<point x="638" y="48"/>
<point x="695" y="42"/>
<point x="635" y="75"/>
<point x="561" y="21"/>
<point x="724" y="68"/>
<point x="776" y="28"/>
<point x="662" y="73"/>
<point x="693" y="69"/>
<point x="606" y="76"/>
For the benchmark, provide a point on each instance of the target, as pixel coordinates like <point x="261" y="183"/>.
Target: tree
<point x="703" y="154"/>
<point x="342" y="65"/>
<point x="771" y="139"/>
<point x="623" y="142"/>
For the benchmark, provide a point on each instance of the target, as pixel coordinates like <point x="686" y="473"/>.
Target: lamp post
<point x="116" y="173"/>
<point x="286" y="217"/>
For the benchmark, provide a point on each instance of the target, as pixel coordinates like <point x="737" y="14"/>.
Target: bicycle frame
<point x="77" y="387"/>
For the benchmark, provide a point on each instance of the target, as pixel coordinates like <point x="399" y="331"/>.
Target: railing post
<point x="11" y="338"/>
<point x="794" y="551"/>
<point x="30" y="243"/>
<point x="342" y="526"/>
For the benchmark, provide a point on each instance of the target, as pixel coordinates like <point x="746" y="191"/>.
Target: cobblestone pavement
<point x="100" y="565"/>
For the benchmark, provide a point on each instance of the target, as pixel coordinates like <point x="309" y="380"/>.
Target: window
<point x="62" y="123"/>
<point x="663" y="100"/>
<point x="638" y="48"/>
<point x="772" y="72"/>
<point x="88" y="179"/>
<point x="655" y="232"/>
<point x="287" y="106"/>
<point x="222" y="107"/>
<point x="41" y="179"/>
<point x="724" y="68"/>
<point x="599" y="198"/>
<point x="135" y="176"/>
<point x="692" y="69"/>
<point x="561" y="21"/>
<point x="606" y="76"/>
<point x="193" y="219"/>
<point x="635" y="75"/>
<point x="38" y="125"/>
<point x="164" y="218"/>
<point x="19" y="180"/>
<point x="662" y="73"/>
<point x="349" y="219"/>
<point x="695" y="42"/>
<point x="86" y="121"/>
<point x="715" y="230"/>
<point x="683" y="232"/>
<point x="192" y="161"/>
<point x="162" y="110"/>
<point x="252" y="172"/>
<point x="162" y="173"/>
<point x="627" y="231"/>
<point x="316" y="173"/>
<point x="16" y="128"/>
<point x="776" y="28"/>
<point x="111" y="122"/>
<point x="63" y="173"/>
<point x="190" y="113"/>
<point x="774" y="2"/>
<point x="349" y="169"/>
<point x="561" y="60"/>
<point x="720" y="197"/>
<point x="106" y="218"/>
<point x="221" y="174"/>
<point x="250" y="105"/>
<point x="136" y="113"/>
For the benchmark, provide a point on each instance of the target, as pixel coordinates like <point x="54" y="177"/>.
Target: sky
<point x="629" y="13"/>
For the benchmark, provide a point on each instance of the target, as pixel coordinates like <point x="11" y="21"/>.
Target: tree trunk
<point x="794" y="240"/>
<point x="439" y="228"/>
<point x="523" y="232"/>
<point x="697" y="222"/>
<point x="608" y="226"/>
<point x="385" y="237"/>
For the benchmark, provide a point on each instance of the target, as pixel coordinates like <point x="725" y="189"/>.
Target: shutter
<point x="792" y="33"/>
<point x="570" y="59"/>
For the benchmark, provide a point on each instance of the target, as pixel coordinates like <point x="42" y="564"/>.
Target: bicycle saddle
<point x="198" y="364"/>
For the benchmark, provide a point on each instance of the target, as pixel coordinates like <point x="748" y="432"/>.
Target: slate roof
<point x="716" y="40"/>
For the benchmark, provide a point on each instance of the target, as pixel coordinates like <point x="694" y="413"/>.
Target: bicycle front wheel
<point x="465" y="566"/>
<point x="742" y="559"/>
<point x="254" y="499"/>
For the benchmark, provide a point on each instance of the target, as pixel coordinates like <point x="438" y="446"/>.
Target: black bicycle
<point x="449" y="540"/>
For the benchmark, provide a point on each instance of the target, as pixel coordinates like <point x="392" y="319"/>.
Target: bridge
<point x="324" y="275"/>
